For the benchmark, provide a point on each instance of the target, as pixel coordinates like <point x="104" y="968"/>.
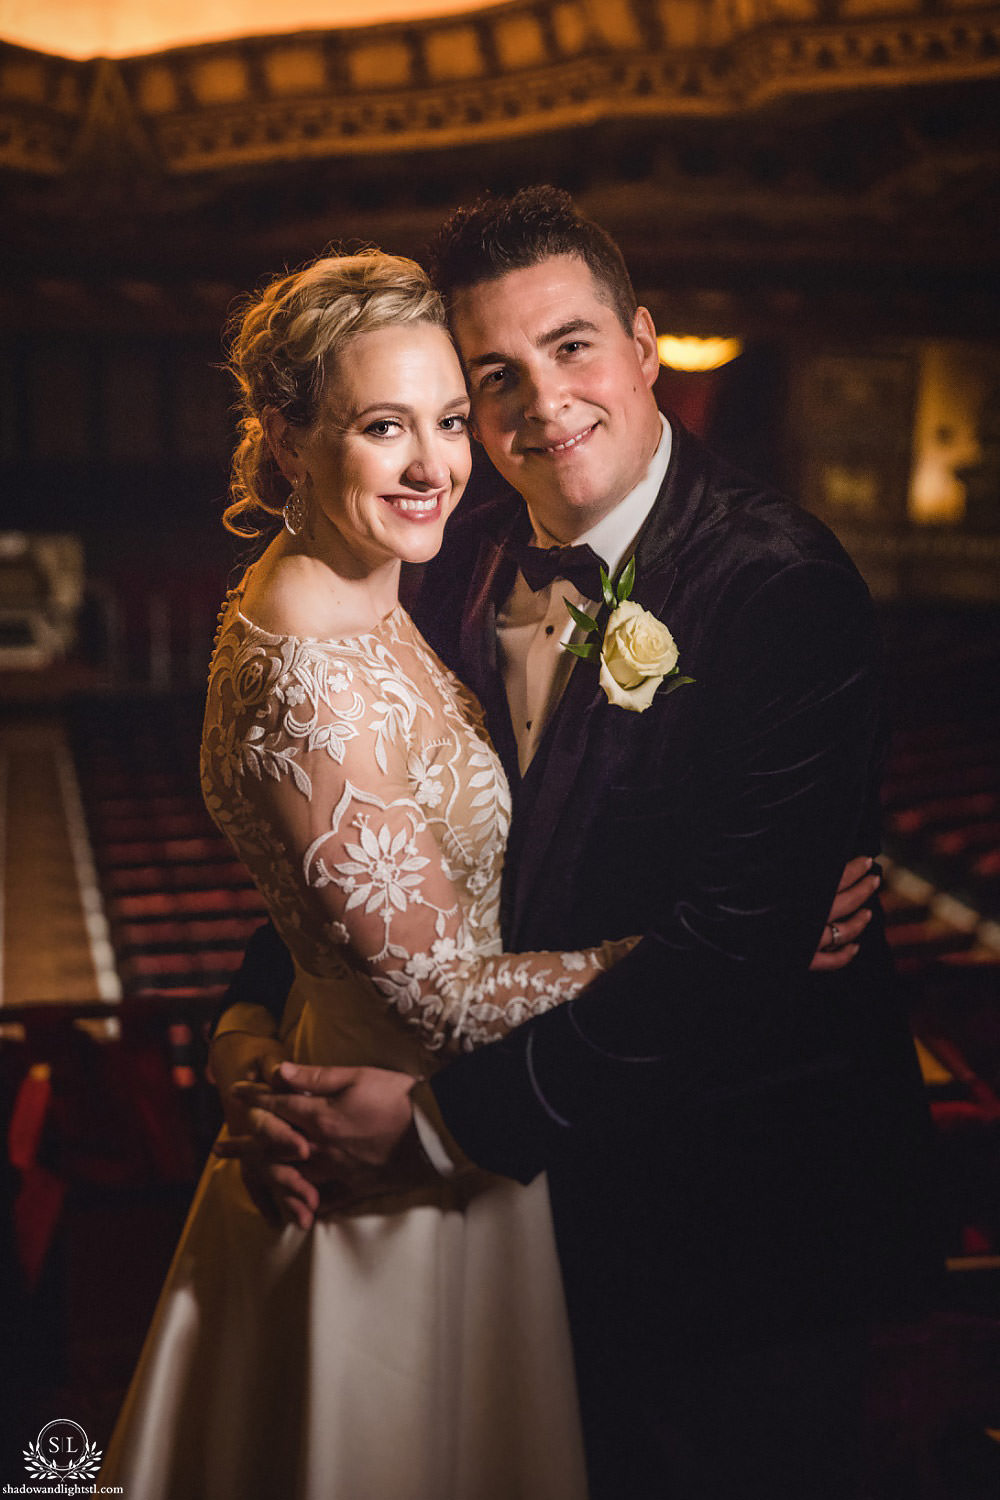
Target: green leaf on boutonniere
<point x="623" y="589"/>
<point x="584" y="621"/>
<point x="610" y="597"/>
<point x="670" y="682"/>
<point x="588" y="651"/>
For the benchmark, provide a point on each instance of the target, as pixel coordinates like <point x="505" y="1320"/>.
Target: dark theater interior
<point x="807" y="194"/>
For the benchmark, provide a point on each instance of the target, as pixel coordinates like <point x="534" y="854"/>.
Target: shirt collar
<point x="614" y="534"/>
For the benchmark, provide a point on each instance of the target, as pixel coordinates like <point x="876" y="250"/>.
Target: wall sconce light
<point x="685" y="352"/>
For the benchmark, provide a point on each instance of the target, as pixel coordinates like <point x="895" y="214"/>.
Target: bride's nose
<point x="427" y="469"/>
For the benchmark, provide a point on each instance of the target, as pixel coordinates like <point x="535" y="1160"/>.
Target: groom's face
<point x="561" y="393"/>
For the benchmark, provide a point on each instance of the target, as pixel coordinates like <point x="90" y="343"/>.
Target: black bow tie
<point x="577" y="565"/>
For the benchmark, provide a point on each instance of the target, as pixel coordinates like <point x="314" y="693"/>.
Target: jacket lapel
<point x="478" y="665"/>
<point x="677" y="514"/>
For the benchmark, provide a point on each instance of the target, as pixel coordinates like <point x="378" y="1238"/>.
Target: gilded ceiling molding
<point x="526" y="67"/>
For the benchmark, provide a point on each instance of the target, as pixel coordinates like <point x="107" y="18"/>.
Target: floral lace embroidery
<point x="356" y="781"/>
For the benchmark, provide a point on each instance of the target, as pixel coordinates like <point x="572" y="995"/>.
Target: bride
<point x="415" y="1347"/>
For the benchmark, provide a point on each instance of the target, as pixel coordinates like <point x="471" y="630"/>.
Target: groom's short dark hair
<point x="492" y="236"/>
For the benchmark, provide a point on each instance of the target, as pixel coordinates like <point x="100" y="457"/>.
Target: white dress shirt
<point x="533" y="629"/>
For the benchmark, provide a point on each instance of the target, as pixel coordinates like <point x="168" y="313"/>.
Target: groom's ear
<point x="644" y="334"/>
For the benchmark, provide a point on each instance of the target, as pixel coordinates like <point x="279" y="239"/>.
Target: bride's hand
<point x="269" y="1151"/>
<point x="236" y="1057"/>
<point x="358" y="1123"/>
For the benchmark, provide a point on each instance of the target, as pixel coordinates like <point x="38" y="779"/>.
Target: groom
<point x="733" y="1141"/>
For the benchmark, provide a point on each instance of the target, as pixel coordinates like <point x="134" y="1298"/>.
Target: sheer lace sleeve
<point x="373" y="858"/>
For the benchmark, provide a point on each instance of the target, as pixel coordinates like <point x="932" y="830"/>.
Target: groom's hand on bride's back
<point x="848" y="917"/>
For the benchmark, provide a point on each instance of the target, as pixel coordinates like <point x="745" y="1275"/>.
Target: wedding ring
<point x="834" y="935"/>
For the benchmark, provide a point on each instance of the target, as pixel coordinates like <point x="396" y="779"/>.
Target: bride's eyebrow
<point x="393" y="406"/>
<point x="398" y="409"/>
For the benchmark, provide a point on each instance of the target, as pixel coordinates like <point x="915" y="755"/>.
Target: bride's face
<point x="389" y="456"/>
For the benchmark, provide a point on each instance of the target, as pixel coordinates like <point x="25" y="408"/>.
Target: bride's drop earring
<point x="296" y="511"/>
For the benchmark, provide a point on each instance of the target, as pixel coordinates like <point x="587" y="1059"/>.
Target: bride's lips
<point x="417" y="508"/>
<point x="562" y="446"/>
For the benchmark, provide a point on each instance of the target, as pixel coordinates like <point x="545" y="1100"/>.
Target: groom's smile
<point x="561" y="392"/>
<point x="559" y="446"/>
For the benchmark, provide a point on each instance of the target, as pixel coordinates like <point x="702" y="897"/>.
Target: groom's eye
<point x="493" y="379"/>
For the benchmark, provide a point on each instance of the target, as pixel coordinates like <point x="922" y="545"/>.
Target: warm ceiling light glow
<point x="121" y="28"/>
<point x="685" y="352"/>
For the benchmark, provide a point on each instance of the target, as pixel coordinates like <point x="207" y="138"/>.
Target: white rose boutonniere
<point x="637" y="653"/>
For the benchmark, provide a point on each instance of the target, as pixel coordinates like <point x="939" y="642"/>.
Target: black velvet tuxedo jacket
<point x="734" y="1145"/>
<point x="732" y="1142"/>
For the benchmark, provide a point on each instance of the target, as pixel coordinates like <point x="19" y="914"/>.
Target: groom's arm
<point x="255" y="998"/>
<point x="245" y="1045"/>
<point x="712" y="991"/>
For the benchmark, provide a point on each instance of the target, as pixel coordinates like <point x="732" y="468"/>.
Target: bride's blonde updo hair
<point x="281" y="343"/>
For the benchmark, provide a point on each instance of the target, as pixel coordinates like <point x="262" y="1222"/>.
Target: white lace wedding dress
<point x="416" y="1349"/>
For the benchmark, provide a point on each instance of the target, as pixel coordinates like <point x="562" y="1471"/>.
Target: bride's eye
<point x="382" y="427"/>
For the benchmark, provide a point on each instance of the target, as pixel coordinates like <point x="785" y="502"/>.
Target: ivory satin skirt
<point x="416" y="1352"/>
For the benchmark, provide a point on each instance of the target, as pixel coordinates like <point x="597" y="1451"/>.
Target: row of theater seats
<point x="941" y="803"/>
<point x="941" y="800"/>
<point x="103" y="1103"/>
<point x="179" y="905"/>
<point x="941" y="790"/>
<point x="953" y="983"/>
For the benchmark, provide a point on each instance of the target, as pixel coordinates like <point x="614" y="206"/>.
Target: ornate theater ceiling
<point x="740" y="149"/>
<point x="120" y="28"/>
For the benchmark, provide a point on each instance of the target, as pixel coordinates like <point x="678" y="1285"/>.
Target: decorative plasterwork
<point x="526" y="67"/>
